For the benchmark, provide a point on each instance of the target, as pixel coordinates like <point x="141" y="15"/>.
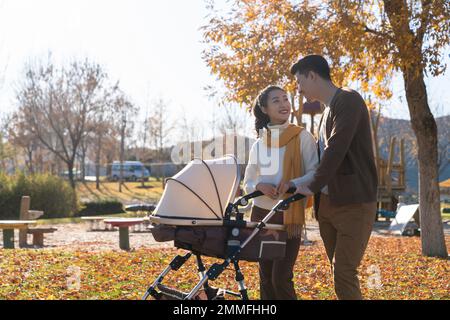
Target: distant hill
<point x="402" y="128"/>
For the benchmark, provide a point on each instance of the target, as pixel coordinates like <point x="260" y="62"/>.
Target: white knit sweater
<point x="266" y="164"/>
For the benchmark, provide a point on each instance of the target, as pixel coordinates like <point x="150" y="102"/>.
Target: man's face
<point x="306" y="85"/>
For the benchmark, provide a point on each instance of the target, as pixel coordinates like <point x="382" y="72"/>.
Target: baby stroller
<point x="197" y="213"/>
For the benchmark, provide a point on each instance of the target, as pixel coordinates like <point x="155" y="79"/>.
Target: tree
<point x="231" y="119"/>
<point x="57" y="103"/>
<point x="20" y="136"/>
<point x="143" y="135"/>
<point x="127" y="111"/>
<point x="254" y="44"/>
<point x="7" y="151"/>
<point x="443" y="138"/>
<point x="160" y="127"/>
<point x="189" y="129"/>
<point x="103" y="126"/>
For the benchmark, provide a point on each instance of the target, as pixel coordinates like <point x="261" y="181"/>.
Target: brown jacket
<point x="347" y="164"/>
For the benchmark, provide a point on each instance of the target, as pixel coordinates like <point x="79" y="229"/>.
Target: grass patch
<point x="131" y="191"/>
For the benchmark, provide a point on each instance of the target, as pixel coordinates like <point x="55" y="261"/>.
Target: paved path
<point x="75" y="236"/>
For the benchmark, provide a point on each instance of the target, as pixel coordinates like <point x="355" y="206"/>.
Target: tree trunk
<point x="70" y="166"/>
<point x="122" y="153"/>
<point x="109" y="161"/>
<point x="425" y="129"/>
<point x="83" y="163"/>
<point x="143" y="177"/>
<point x="97" y="162"/>
<point x="143" y="160"/>
<point x="30" y="161"/>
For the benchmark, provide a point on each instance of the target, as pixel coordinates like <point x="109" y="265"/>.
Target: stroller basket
<point x="214" y="241"/>
<point x="197" y="214"/>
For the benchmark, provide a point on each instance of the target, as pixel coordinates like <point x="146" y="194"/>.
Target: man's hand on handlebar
<point x="303" y="189"/>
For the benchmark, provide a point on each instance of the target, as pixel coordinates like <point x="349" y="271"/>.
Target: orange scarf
<point x="294" y="216"/>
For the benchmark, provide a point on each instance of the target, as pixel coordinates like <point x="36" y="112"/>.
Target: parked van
<point x="132" y="171"/>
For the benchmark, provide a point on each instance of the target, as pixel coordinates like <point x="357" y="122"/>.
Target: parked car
<point x="132" y="171"/>
<point x="76" y="174"/>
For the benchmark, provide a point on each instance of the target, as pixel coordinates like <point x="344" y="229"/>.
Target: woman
<point x="283" y="155"/>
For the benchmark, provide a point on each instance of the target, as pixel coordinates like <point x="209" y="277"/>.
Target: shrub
<point x="7" y="209"/>
<point x="101" y="207"/>
<point x="48" y="193"/>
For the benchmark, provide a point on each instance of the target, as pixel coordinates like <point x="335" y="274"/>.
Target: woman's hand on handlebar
<point x="268" y="190"/>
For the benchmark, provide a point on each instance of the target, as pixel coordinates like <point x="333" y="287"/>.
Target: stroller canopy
<point x="201" y="190"/>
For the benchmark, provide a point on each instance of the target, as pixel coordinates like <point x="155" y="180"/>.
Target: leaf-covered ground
<point x="393" y="268"/>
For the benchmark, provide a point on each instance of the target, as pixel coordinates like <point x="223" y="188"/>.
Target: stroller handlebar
<point x="243" y="201"/>
<point x="282" y="205"/>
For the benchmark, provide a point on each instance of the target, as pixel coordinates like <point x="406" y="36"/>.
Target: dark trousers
<point x="345" y="231"/>
<point x="276" y="275"/>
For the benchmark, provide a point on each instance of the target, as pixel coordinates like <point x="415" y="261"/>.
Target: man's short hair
<point x="313" y="62"/>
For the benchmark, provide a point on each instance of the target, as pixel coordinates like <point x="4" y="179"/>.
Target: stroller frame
<point x="233" y="249"/>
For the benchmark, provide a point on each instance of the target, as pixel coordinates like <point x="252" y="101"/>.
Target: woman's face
<point x="278" y="107"/>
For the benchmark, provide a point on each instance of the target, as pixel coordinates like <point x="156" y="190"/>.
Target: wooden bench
<point x="123" y="224"/>
<point x="94" y="223"/>
<point x="8" y="227"/>
<point x="38" y="233"/>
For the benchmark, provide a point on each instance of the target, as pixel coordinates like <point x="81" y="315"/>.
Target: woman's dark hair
<point x="262" y="119"/>
<point x="313" y="62"/>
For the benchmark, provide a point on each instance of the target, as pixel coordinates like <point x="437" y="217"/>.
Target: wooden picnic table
<point x="8" y="227"/>
<point x="123" y="224"/>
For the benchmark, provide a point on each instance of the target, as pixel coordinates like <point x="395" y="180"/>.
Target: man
<point x="345" y="182"/>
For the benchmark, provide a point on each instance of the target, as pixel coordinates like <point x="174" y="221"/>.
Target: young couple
<point x="339" y="171"/>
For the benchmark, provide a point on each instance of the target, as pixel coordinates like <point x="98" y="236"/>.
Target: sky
<point x="152" y="47"/>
